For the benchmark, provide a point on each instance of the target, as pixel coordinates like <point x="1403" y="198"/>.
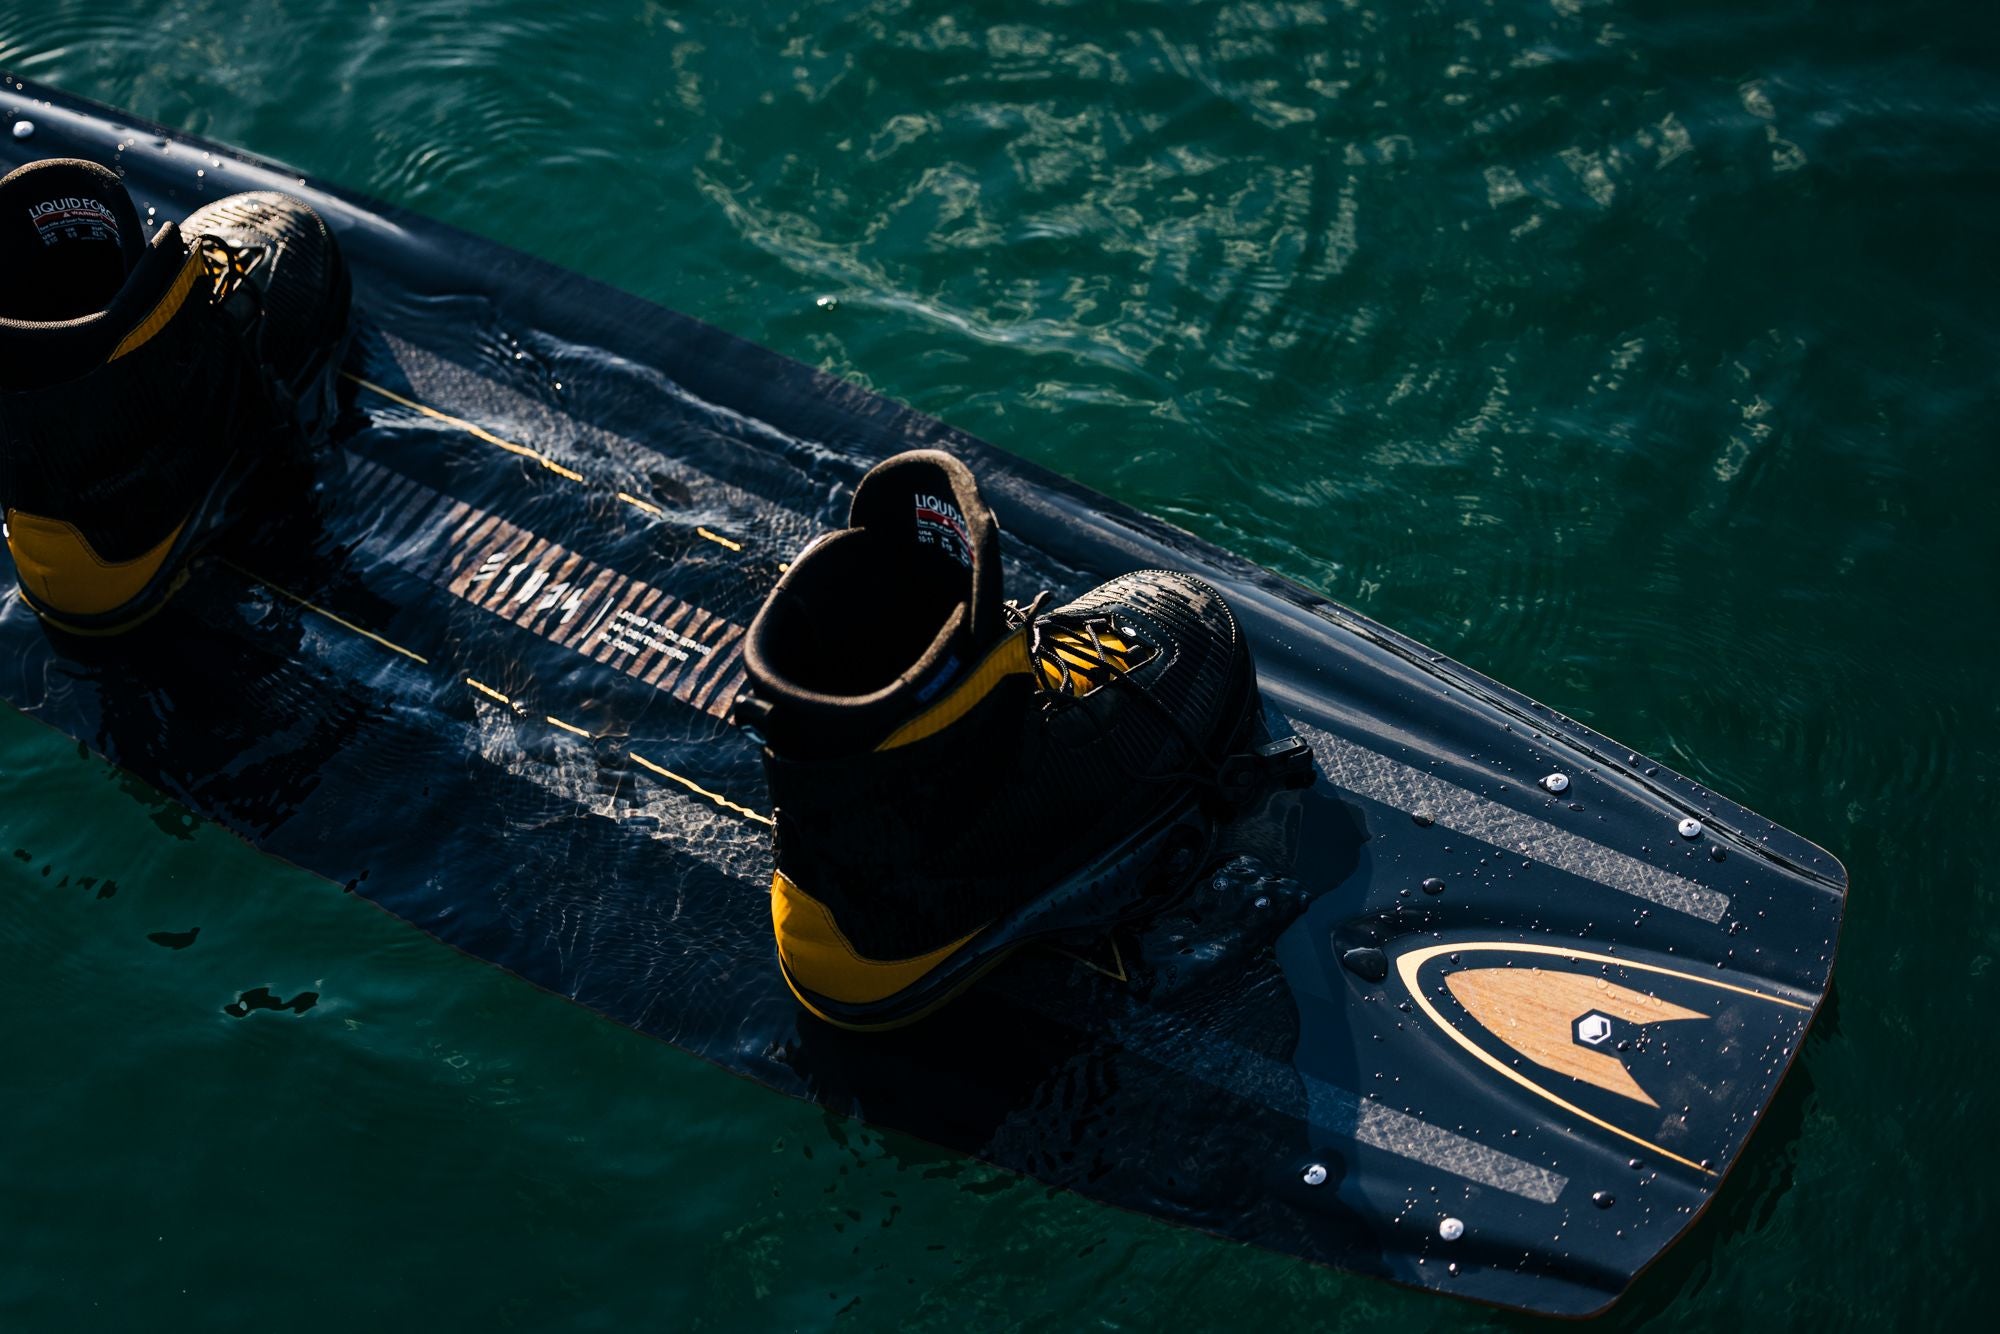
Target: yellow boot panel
<point x="819" y="957"/>
<point x="61" y="571"/>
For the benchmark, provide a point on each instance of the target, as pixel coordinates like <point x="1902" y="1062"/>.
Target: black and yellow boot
<point x="140" y="384"/>
<point x="954" y="776"/>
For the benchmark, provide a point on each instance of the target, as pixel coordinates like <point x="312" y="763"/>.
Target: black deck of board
<point x="474" y="668"/>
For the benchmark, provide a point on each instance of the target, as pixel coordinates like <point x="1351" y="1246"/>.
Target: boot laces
<point x="229" y="266"/>
<point x="1073" y="655"/>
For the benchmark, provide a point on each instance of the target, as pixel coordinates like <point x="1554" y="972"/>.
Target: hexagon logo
<point x="1593" y="1029"/>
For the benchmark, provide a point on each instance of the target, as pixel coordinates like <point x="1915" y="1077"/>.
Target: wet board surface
<point x="1428" y="1021"/>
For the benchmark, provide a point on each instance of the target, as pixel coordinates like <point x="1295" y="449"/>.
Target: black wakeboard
<point x="1430" y="1020"/>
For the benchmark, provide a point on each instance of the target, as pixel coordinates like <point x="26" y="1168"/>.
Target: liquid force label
<point x="73" y="218"/>
<point x="940" y="525"/>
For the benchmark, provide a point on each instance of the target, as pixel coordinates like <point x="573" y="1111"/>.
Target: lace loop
<point x="1073" y="655"/>
<point x="228" y="265"/>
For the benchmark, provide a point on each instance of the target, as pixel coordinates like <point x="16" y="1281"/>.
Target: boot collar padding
<point x="883" y="502"/>
<point x="36" y="356"/>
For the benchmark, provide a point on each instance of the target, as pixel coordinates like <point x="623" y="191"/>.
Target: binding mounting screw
<point x="1315" y="1175"/>
<point x="1451" y="1229"/>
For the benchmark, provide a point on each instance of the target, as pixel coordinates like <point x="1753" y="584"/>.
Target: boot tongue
<point x="927" y="508"/>
<point x="69" y="235"/>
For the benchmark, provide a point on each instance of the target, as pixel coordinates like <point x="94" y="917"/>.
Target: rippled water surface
<point x="1639" y="354"/>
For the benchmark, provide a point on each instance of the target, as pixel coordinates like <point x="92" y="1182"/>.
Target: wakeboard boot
<point x="954" y="776"/>
<point x="141" y="384"/>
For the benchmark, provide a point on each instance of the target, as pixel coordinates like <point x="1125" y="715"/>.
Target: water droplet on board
<point x="1433" y="885"/>
<point x="1715" y="853"/>
<point x="1423" y="819"/>
<point x="1603" y="1199"/>
<point x="23" y="128"/>
<point x="827" y="302"/>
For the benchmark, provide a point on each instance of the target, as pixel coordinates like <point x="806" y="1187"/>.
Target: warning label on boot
<point x="73" y="218"/>
<point x="939" y="524"/>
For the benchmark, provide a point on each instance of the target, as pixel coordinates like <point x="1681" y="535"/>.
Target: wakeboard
<point x="1490" y="1009"/>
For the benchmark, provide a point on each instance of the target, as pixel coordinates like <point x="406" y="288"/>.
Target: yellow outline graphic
<point x="661" y="770"/>
<point x="637" y="503"/>
<point x="1117" y="957"/>
<point x="479" y="432"/>
<point x="698" y="789"/>
<point x="315" y="607"/>
<point x="1408" y="964"/>
<point x="489" y="691"/>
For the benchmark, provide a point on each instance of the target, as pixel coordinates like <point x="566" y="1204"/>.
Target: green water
<point x="1638" y="354"/>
